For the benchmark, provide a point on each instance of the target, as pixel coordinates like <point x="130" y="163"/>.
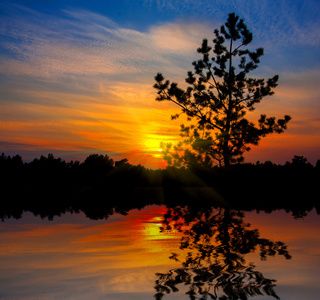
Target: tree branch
<point x="188" y="110"/>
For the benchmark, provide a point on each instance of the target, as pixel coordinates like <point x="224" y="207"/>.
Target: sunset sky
<point x="76" y="76"/>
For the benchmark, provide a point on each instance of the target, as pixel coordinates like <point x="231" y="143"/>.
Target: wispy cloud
<point x="84" y="43"/>
<point x="280" y="22"/>
<point x="179" y="38"/>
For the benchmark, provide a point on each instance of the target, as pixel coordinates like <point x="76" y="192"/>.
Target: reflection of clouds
<point x="76" y="257"/>
<point x="128" y="282"/>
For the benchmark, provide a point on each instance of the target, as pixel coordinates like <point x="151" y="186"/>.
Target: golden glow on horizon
<point x="135" y="126"/>
<point x="151" y="144"/>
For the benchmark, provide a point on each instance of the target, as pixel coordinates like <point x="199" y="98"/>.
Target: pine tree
<point x="217" y="99"/>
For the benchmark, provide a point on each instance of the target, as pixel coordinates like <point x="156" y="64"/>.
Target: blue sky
<point x="77" y="76"/>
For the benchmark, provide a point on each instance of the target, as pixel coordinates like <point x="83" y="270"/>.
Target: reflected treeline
<point x="99" y="186"/>
<point x="216" y="241"/>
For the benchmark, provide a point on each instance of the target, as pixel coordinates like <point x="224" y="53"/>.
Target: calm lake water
<point x="73" y="257"/>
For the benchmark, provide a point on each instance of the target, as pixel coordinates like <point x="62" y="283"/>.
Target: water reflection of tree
<point x="214" y="267"/>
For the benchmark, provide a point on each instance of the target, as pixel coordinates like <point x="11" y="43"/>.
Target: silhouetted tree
<point x="121" y="162"/>
<point x="219" y="95"/>
<point x="98" y="161"/>
<point x="47" y="163"/>
<point x="299" y="162"/>
<point x="10" y="162"/>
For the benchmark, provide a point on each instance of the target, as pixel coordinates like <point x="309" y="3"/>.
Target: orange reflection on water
<point x="74" y="257"/>
<point x="152" y="230"/>
<point x="118" y="255"/>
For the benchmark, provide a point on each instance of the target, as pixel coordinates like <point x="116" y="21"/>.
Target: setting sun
<point x="151" y="144"/>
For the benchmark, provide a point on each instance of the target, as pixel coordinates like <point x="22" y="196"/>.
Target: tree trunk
<point x="226" y="150"/>
<point x="226" y="160"/>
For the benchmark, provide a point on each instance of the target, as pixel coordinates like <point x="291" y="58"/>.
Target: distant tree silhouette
<point x="121" y="162"/>
<point x="73" y="164"/>
<point x="49" y="162"/>
<point x="215" y="266"/>
<point x="218" y="96"/>
<point x="98" y="161"/>
<point x="10" y="162"/>
<point x="299" y="162"/>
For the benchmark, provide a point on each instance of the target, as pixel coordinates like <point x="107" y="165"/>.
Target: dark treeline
<point x="100" y="186"/>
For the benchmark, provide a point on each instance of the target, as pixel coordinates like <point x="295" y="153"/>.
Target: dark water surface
<point x="127" y="257"/>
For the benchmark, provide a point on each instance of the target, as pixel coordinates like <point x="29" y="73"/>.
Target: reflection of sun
<point x="151" y="230"/>
<point x="149" y="235"/>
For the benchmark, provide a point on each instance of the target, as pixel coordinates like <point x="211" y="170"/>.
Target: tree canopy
<point x="218" y="97"/>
